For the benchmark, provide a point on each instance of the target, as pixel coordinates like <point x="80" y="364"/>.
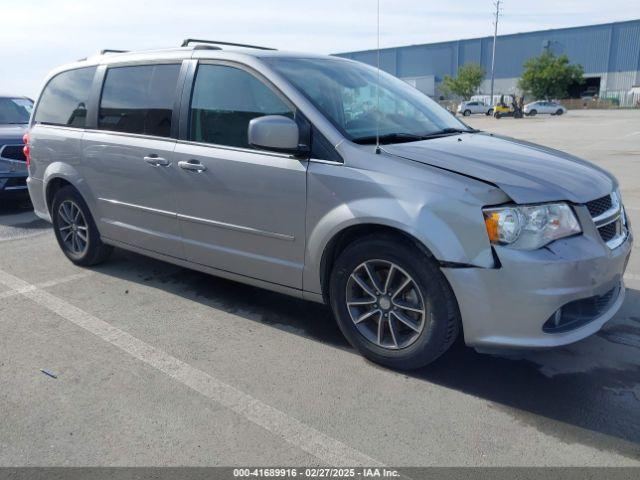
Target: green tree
<point x="466" y="83"/>
<point x="549" y="76"/>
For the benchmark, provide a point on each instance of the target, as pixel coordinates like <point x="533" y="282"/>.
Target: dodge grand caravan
<point x="311" y="176"/>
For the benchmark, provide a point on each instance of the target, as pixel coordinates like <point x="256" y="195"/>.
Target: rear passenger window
<point x="65" y="98"/>
<point x="224" y="100"/>
<point x="139" y="99"/>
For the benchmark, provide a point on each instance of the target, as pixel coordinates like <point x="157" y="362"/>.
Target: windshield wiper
<point x="448" y="131"/>
<point x="400" y="137"/>
<point x="396" y="137"/>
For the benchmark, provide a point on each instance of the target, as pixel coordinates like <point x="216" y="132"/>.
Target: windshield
<point x="15" y="110"/>
<point x="345" y="92"/>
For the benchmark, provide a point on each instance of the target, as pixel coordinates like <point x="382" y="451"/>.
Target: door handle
<point x="157" y="161"/>
<point x="192" y="165"/>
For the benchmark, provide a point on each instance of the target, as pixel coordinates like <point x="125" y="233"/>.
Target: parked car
<point x="543" y="106"/>
<point x="14" y="119"/>
<point x="467" y="108"/>
<point x="282" y="171"/>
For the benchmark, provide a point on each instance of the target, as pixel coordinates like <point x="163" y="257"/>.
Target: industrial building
<point x="609" y="54"/>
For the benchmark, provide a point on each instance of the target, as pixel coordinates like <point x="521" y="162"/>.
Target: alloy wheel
<point x="73" y="228"/>
<point x="385" y="304"/>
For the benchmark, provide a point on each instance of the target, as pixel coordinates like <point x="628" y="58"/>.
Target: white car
<point x="467" y="108"/>
<point x="543" y="106"/>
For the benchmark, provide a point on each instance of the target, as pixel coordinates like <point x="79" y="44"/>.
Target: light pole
<point x="493" y="56"/>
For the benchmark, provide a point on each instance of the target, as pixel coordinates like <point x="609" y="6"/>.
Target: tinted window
<point x="65" y="98"/>
<point x="15" y="110"/>
<point x="139" y="99"/>
<point x="224" y="100"/>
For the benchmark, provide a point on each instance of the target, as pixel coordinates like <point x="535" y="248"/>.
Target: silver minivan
<point x="315" y="177"/>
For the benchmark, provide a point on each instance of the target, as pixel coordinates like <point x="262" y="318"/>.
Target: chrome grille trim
<point x="613" y="211"/>
<point x="615" y="215"/>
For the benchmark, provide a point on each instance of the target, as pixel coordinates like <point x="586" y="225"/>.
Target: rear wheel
<point x="394" y="310"/>
<point x="76" y="230"/>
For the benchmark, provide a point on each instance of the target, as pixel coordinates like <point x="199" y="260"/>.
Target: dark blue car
<point x="14" y="119"/>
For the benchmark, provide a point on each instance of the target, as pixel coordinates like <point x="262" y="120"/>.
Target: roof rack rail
<point x="187" y="41"/>
<point x="109" y="50"/>
<point x="206" y="47"/>
<point x="102" y="52"/>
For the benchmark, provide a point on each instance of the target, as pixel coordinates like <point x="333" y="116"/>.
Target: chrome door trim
<point x="204" y="221"/>
<point x="128" y="134"/>
<point x="326" y="162"/>
<point x="139" y="207"/>
<point x="239" y="149"/>
<point x="239" y="228"/>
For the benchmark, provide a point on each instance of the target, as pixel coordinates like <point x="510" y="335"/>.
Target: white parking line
<point x="50" y="283"/>
<point x="329" y="450"/>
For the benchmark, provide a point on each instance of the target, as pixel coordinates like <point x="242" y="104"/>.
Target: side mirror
<point x="275" y="132"/>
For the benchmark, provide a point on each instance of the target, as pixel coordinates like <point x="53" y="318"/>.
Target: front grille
<point x="599" y="206"/>
<point x="16" y="182"/>
<point x="611" y="226"/>
<point x="12" y="152"/>
<point x="580" y="312"/>
<point x="608" y="232"/>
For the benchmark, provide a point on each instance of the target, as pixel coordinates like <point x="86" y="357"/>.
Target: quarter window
<point x="65" y="98"/>
<point x="224" y="101"/>
<point x="139" y="99"/>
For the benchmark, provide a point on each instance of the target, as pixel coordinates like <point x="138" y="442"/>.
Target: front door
<point x="241" y="210"/>
<point x="129" y="161"/>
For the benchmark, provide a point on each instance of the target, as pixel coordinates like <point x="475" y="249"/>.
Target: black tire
<point x="498" y="115"/>
<point x="559" y="112"/>
<point x="466" y="113"/>
<point x="533" y="113"/>
<point x="95" y="251"/>
<point x="490" y="112"/>
<point x="441" y="324"/>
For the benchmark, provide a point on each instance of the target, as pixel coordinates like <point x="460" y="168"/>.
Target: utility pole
<point x="493" y="57"/>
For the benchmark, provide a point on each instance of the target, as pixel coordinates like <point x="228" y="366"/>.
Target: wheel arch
<point x="351" y="233"/>
<point x="60" y="174"/>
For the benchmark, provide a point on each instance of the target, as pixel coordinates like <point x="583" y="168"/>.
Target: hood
<point x="526" y="172"/>
<point x="12" y="133"/>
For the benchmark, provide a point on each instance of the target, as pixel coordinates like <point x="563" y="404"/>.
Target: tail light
<point x="26" y="150"/>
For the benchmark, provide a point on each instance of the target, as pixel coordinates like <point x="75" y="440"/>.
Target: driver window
<point x="225" y="99"/>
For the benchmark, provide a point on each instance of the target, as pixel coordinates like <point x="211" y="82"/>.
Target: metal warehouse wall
<point x="611" y="51"/>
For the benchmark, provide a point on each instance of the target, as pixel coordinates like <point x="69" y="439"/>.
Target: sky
<point x="39" y="35"/>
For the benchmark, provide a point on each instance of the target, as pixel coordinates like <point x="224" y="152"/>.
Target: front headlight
<point x="530" y="227"/>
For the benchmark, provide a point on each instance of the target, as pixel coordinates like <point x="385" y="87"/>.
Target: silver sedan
<point x="543" y="106"/>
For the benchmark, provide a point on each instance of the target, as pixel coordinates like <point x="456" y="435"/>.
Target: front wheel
<point x="490" y="112"/>
<point x="533" y="113"/>
<point x="394" y="310"/>
<point x="467" y="113"/>
<point x="76" y="230"/>
<point x="559" y="112"/>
